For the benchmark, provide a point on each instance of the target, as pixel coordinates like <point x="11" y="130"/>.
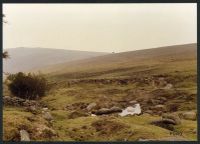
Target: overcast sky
<point x="99" y="27"/>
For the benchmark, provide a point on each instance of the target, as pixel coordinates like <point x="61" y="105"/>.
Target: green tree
<point x="27" y="86"/>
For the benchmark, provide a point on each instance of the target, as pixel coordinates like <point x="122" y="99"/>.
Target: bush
<point x="28" y="86"/>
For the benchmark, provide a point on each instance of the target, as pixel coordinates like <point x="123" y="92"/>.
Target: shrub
<point x="27" y="86"/>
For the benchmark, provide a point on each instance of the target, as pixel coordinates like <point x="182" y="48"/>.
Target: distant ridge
<point x="148" y="57"/>
<point x="25" y="59"/>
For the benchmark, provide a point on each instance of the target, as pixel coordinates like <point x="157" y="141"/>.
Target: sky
<point x="99" y="27"/>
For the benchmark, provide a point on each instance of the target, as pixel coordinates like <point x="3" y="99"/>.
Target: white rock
<point x="136" y="109"/>
<point x="24" y="135"/>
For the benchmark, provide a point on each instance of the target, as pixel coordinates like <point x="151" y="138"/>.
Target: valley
<point x="88" y="95"/>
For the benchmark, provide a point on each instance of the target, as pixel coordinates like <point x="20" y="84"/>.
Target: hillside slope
<point x="124" y="64"/>
<point x="24" y="59"/>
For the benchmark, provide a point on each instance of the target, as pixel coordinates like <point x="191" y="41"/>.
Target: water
<point x="131" y="110"/>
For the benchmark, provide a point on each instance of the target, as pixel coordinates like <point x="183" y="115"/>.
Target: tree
<point x="27" y="86"/>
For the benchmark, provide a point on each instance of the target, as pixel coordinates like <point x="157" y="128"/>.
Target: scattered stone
<point x="91" y="106"/>
<point x="190" y="115"/>
<point x="24" y="135"/>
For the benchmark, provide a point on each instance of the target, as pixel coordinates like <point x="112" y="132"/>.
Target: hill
<point x="171" y="58"/>
<point x="25" y="59"/>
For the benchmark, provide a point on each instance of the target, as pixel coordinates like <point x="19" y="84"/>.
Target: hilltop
<point x="164" y="59"/>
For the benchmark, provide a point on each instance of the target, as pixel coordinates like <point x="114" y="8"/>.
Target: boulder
<point x="171" y="118"/>
<point x="91" y="106"/>
<point x="24" y="135"/>
<point x="190" y="115"/>
<point x="102" y="111"/>
<point x="168" y="121"/>
<point x="47" y="116"/>
<point x="135" y="110"/>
